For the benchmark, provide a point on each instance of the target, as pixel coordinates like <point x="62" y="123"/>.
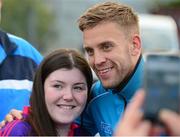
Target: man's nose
<point x="99" y="58"/>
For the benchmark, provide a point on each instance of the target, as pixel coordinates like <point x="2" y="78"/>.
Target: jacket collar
<point x="8" y="46"/>
<point x="133" y="83"/>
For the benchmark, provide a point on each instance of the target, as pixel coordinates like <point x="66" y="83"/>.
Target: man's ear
<point x="136" y="45"/>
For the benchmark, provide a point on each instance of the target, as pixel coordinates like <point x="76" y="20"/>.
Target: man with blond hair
<point x="112" y="43"/>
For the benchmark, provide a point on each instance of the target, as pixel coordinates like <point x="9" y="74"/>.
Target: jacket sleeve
<point x="15" y="128"/>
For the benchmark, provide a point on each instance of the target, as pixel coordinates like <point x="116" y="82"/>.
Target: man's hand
<point x="14" y="114"/>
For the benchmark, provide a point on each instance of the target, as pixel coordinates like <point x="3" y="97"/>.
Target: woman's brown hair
<point x="39" y="117"/>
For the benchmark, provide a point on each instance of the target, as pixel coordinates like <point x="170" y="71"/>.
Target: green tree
<point x="173" y="4"/>
<point x="31" y="19"/>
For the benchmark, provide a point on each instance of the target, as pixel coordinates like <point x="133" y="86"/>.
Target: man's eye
<point x="89" y="52"/>
<point x="106" y="47"/>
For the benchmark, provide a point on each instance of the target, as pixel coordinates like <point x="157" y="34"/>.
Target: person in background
<point x="112" y="44"/>
<point x="133" y="123"/>
<point x="18" y="62"/>
<point x="60" y="91"/>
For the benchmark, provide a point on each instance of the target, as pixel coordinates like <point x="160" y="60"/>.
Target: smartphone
<point x="161" y="84"/>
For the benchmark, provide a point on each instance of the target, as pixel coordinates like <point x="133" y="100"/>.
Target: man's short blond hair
<point x="121" y="14"/>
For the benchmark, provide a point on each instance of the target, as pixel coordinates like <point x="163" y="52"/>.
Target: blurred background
<point x="51" y="24"/>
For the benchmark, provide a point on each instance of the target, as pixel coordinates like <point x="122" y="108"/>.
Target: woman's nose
<point x="68" y="95"/>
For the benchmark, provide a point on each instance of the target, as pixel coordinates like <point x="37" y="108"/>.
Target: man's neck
<point x="129" y="76"/>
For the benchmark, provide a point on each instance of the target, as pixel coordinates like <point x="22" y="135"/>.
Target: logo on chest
<point x="106" y="128"/>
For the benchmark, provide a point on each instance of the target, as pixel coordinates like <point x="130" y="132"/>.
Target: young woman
<point x="60" y="92"/>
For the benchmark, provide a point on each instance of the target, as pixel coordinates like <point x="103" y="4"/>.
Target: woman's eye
<point x="58" y="86"/>
<point x="79" y="89"/>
